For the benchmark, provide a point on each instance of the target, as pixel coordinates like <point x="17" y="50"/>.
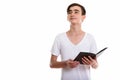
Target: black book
<point x="86" y="54"/>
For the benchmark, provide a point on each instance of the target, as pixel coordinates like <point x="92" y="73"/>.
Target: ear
<point x="83" y="17"/>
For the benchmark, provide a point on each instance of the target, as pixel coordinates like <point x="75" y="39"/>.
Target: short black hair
<point x="76" y="4"/>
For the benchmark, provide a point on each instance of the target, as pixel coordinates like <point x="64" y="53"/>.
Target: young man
<point x="70" y="43"/>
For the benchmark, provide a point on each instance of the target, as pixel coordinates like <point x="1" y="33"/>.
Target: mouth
<point x="73" y="18"/>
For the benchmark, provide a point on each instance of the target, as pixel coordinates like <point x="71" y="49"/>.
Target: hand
<point x="70" y="63"/>
<point x="90" y="61"/>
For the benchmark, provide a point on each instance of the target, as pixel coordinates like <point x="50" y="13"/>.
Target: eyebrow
<point x="73" y="10"/>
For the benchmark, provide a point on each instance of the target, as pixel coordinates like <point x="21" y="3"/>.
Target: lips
<point x="72" y="18"/>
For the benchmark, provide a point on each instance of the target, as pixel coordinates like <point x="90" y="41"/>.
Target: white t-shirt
<point x="64" y="47"/>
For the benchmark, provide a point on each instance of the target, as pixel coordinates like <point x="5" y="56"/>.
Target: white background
<point x="28" y="29"/>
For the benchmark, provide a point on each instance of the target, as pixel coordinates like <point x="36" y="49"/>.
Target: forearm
<point x="57" y="64"/>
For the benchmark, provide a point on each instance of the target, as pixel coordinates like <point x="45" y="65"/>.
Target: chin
<point x="74" y="22"/>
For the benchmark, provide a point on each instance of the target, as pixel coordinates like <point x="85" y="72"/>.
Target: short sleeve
<point x="56" y="47"/>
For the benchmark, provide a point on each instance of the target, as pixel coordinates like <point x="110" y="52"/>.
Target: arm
<point x="57" y="64"/>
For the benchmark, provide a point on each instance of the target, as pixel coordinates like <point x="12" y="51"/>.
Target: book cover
<point x="86" y="54"/>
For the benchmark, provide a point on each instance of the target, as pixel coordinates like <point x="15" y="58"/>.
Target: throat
<point x="75" y="38"/>
<point x="75" y="33"/>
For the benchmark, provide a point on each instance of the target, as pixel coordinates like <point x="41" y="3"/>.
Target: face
<point x="75" y="15"/>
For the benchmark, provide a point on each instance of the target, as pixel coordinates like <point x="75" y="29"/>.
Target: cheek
<point x="68" y="18"/>
<point x="81" y="19"/>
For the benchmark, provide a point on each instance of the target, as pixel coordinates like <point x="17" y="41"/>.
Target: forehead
<point x="75" y="8"/>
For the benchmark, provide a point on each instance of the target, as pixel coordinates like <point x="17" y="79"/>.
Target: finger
<point x="85" y="61"/>
<point x="77" y="62"/>
<point x="90" y="58"/>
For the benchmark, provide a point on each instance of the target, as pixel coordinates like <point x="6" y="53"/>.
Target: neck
<point x="75" y="29"/>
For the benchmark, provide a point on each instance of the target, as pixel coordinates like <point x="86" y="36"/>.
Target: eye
<point x="69" y="12"/>
<point x="76" y="12"/>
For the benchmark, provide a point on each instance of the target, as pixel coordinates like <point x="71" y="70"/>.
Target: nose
<point x="72" y="13"/>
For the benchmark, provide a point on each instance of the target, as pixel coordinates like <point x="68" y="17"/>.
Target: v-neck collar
<point x="81" y="41"/>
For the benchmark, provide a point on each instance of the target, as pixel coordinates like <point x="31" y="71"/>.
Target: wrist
<point x="65" y="64"/>
<point x="95" y="65"/>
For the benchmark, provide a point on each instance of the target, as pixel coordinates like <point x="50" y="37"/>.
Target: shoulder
<point x="89" y="35"/>
<point x="60" y="35"/>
